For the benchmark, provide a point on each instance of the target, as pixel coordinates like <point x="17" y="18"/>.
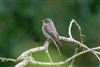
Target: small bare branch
<point x="22" y="63"/>
<point x="7" y="59"/>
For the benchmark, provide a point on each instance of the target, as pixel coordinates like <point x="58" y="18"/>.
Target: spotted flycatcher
<point x="50" y="32"/>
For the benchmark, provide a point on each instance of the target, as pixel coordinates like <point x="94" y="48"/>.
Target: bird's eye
<point x="46" y="21"/>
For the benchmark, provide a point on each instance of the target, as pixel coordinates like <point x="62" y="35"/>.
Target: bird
<point x="51" y="33"/>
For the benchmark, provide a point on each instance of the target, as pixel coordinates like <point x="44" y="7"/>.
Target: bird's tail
<point x="58" y="44"/>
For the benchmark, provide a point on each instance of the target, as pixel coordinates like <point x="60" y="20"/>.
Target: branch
<point x="70" y="40"/>
<point x="22" y="63"/>
<point x="33" y="50"/>
<point x="70" y="35"/>
<point x="66" y="61"/>
<point x="26" y="54"/>
<point x="7" y="59"/>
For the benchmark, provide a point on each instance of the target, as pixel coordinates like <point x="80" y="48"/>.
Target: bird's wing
<point x="54" y="37"/>
<point x="51" y="32"/>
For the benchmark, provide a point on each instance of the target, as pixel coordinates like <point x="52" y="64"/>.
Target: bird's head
<point x="46" y="20"/>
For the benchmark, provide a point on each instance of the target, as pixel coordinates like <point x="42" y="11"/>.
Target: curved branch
<point x="70" y="40"/>
<point x="67" y="60"/>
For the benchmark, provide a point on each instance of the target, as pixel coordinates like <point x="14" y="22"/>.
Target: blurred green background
<point x="20" y="28"/>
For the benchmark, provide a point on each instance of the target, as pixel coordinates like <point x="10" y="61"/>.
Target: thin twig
<point x="72" y="62"/>
<point x="7" y="59"/>
<point x="70" y="35"/>
<point x="47" y="52"/>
